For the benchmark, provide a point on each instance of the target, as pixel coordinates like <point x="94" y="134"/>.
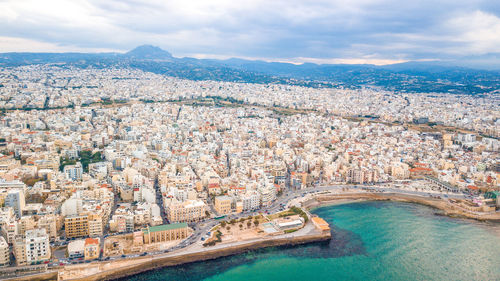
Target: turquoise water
<point x="371" y="241"/>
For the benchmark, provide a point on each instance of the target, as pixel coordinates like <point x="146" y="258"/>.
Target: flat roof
<point x="164" y="227"/>
<point x="320" y="223"/>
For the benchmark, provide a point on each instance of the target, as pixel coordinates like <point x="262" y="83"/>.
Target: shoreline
<point x="122" y="268"/>
<point x="157" y="262"/>
<point x="446" y="208"/>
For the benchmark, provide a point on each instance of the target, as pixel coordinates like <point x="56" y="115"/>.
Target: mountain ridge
<point x="402" y="77"/>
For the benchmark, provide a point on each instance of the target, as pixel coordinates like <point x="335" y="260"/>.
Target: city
<point x="195" y="140"/>
<point x="102" y="158"/>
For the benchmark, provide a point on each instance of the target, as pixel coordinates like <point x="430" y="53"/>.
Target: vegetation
<point x="212" y="242"/>
<point x="86" y="158"/>
<point x="300" y="212"/>
<point x="31" y="181"/>
<point x="65" y="161"/>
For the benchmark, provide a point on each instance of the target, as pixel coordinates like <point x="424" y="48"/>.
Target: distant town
<point x="108" y="164"/>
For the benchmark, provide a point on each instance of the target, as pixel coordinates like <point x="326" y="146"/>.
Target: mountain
<point x="440" y="77"/>
<point x="149" y="52"/>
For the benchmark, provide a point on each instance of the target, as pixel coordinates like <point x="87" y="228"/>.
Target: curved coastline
<point x="446" y="208"/>
<point x="122" y="268"/>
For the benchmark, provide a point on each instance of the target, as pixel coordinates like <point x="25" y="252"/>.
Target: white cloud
<point x="478" y="31"/>
<point x="371" y="31"/>
<point x="13" y="44"/>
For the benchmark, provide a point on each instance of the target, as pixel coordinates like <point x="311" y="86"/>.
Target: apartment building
<point x="187" y="211"/>
<point x="33" y="249"/>
<point x="223" y="205"/>
<point x="83" y="225"/>
<point x="4" y="252"/>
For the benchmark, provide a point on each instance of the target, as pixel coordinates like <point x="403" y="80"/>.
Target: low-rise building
<point x="91" y="248"/>
<point x="165" y="232"/>
<point x="76" y="249"/>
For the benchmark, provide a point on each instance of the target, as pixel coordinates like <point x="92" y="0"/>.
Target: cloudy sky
<point x="347" y="31"/>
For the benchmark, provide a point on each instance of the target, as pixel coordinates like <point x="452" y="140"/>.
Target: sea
<point x="370" y="241"/>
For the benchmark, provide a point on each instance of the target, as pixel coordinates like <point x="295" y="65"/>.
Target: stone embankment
<point x="447" y="208"/>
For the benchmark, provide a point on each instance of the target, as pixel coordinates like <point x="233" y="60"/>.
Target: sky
<point x="320" y="31"/>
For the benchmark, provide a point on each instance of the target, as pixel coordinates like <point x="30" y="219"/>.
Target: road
<point x="203" y="227"/>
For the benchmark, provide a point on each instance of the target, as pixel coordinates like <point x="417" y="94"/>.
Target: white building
<point x="74" y="172"/>
<point x="15" y="199"/>
<point x="251" y="201"/>
<point x="76" y="249"/>
<point x="33" y="249"/>
<point x="4" y="252"/>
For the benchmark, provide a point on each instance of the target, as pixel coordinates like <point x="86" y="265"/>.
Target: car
<point x="143" y="254"/>
<point x="124" y="256"/>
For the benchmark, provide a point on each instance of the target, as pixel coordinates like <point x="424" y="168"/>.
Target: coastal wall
<point x="446" y="208"/>
<point x="45" y="276"/>
<point x="154" y="263"/>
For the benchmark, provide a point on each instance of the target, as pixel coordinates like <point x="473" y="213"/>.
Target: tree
<point x="228" y="228"/>
<point x="256" y="222"/>
<point x="241" y="226"/>
<point x="249" y="223"/>
<point x="223" y="223"/>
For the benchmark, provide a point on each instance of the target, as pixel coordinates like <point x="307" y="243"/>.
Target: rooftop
<point x="164" y="227"/>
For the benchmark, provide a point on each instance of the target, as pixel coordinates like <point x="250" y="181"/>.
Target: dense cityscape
<point x="100" y="164"/>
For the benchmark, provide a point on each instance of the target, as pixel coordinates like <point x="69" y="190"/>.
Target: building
<point x="223" y="205"/>
<point x="95" y="223"/>
<point x="267" y="194"/>
<point x="10" y="230"/>
<point x="33" y="249"/>
<point x="320" y="224"/>
<point x="15" y="199"/>
<point x="74" y="172"/>
<point x="4" y="252"/>
<point x="76" y="226"/>
<point x="165" y="232"/>
<point x="251" y="201"/>
<point x="187" y="211"/>
<point x="290" y="222"/>
<point x="76" y="249"/>
<point x="91" y="248"/>
<point x="83" y="225"/>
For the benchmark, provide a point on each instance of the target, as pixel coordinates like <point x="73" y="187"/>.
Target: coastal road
<point x="205" y="226"/>
<point x="202" y="228"/>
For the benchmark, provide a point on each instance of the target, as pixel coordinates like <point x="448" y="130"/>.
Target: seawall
<point x="151" y="263"/>
<point x="447" y="208"/>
